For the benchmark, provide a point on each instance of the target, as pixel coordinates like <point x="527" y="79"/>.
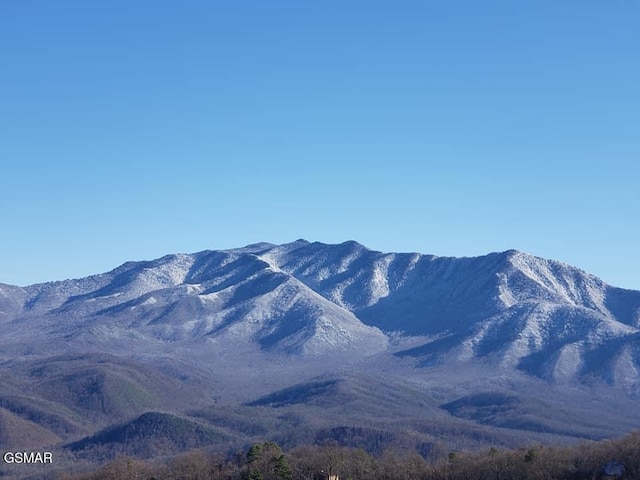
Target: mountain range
<point x="315" y="338"/>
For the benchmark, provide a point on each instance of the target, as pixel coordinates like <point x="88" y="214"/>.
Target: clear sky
<point x="132" y="129"/>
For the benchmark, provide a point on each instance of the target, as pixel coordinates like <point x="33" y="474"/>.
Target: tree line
<point x="607" y="459"/>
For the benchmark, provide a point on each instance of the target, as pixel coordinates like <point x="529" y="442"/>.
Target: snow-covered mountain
<point x="309" y="340"/>
<point x="508" y="309"/>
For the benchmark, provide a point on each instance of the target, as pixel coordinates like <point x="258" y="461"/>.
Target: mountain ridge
<point x="314" y="298"/>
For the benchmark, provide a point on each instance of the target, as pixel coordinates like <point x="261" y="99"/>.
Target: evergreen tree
<point x="267" y="462"/>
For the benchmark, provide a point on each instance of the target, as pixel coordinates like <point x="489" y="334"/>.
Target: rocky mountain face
<point x="232" y="327"/>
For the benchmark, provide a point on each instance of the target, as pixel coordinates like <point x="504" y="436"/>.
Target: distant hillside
<point x="16" y="432"/>
<point x="150" y="434"/>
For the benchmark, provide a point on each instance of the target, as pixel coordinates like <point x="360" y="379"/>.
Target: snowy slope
<point x="541" y="316"/>
<point x="507" y="309"/>
<point x="231" y="296"/>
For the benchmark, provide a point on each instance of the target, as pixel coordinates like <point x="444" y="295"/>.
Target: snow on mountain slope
<point x="538" y="315"/>
<point x="12" y="301"/>
<point x="510" y="309"/>
<point x="417" y="294"/>
<point x="231" y="296"/>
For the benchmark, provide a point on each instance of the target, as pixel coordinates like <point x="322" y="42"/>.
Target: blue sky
<point x="129" y="130"/>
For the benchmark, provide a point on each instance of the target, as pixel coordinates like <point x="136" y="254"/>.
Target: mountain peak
<point x="512" y="252"/>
